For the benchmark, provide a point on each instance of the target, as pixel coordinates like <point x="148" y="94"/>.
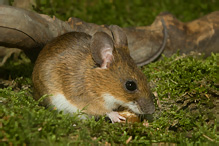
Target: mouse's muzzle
<point x="146" y="105"/>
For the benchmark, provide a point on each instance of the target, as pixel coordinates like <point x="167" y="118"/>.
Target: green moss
<point x="186" y="89"/>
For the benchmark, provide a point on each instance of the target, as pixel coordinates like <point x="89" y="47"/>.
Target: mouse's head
<point x="117" y="78"/>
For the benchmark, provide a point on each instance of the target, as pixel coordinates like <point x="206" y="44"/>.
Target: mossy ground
<point x="185" y="88"/>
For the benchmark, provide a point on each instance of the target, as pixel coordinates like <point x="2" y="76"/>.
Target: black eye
<point x="131" y="85"/>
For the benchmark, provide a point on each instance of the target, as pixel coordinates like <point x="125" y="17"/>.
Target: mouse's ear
<point x="102" y="49"/>
<point x="119" y="36"/>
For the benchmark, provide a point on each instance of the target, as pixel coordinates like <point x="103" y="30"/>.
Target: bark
<point x="30" y="31"/>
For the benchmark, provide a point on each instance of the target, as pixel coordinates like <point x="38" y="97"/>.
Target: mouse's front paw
<point x="115" y="117"/>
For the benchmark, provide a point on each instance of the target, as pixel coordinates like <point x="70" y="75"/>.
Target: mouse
<point x="95" y="74"/>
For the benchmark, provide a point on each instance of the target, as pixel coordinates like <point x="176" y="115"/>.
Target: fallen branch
<point x="30" y="31"/>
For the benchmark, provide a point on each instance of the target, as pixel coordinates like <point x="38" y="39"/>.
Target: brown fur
<point x="66" y="66"/>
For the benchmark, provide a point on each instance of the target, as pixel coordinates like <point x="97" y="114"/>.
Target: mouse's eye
<point x="130" y="85"/>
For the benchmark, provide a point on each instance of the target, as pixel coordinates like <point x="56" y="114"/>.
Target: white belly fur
<point x="62" y="104"/>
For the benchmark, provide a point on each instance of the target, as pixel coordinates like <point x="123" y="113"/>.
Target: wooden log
<point x="30" y="32"/>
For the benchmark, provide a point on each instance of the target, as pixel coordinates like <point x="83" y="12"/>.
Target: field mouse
<point x="95" y="72"/>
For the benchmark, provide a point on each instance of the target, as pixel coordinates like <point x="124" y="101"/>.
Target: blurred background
<point x="124" y="13"/>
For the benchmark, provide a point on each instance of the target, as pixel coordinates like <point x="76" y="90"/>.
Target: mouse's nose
<point x="146" y="105"/>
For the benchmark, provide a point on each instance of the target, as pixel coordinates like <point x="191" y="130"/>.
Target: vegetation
<point x="186" y="90"/>
<point x="126" y="12"/>
<point x="185" y="87"/>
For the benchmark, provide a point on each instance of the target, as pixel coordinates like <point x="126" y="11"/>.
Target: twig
<point x="128" y="140"/>
<point x="207" y="137"/>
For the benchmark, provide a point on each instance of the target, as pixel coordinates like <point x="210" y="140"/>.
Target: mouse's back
<point x="65" y="52"/>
